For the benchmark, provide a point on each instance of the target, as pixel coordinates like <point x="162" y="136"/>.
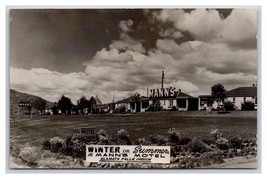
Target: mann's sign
<point x="163" y="92"/>
<point x="25" y="104"/>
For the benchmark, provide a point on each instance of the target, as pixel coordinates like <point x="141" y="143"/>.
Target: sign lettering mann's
<point x="163" y="92"/>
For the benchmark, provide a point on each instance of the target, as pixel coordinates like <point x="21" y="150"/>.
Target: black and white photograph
<point x="133" y="88"/>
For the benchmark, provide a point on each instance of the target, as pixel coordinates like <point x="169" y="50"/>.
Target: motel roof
<point x="242" y="92"/>
<point x="183" y="95"/>
<point x="126" y="100"/>
<point x="205" y="96"/>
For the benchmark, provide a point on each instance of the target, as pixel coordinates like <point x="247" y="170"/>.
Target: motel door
<point x="193" y="104"/>
<point x="138" y="106"/>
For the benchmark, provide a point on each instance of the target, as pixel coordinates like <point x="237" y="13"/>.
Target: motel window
<point x="181" y="103"/>
<point x="145" y="104"/>
<point x="244" y="99"/>
<point x="233" y="99"/>
<point x="171" y="102"/>
<point x="203" y="101"/>
<point x="210" y="102"/>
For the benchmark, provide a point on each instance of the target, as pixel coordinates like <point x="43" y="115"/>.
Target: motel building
<point x="167" y="98"/>
<point x="237" y="96"/>
<point x="206" y="102"/>
<point x="240" y="95"/>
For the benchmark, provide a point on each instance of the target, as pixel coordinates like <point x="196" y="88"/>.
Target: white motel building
<point x="239" y="95"/>
<point x="168" y="98"/>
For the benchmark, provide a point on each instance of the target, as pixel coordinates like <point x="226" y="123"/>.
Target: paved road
<point x="238" y="163"/>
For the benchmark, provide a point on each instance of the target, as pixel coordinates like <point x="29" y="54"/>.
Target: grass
<point x="190" y="124"/>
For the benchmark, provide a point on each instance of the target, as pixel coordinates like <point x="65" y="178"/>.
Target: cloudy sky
<point x="120" y="52"/>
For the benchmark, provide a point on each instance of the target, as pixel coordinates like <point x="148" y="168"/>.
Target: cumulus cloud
<point x="191" y="66"/>
<point x="239" y="29"/>
<point x="228" y="79"/>
<point x="216" y="57"/>
<point x="170" y="33"/>
<point x="38" y="81"/>
<point x="126" y="42"/>
<point x="125" y="26"/>
<point x="125" y="67"/>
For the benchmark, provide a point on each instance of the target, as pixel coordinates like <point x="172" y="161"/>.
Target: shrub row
<point x="74" y="145"/>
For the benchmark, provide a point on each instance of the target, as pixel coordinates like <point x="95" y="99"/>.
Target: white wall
<point x="168" y="103"/>
<point x="205" y="105"/>
<point x="239" y="100"/>
<point x="127" y="105"/>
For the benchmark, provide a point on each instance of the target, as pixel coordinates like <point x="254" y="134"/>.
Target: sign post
<point x="25" y="104"/>
<point x="18" y="114"/>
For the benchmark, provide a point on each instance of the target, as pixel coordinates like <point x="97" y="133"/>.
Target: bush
<point x="158" y="139"/>
<point x="56" y="144"/>
<point x="217" y="157"/>
<point x="221" y="142"/>
<point x="102" y="132"/>
<point x="78" y="136"/>
<point x="247" y="106"/>
<point x="78" y="149"/>
<point x="173" y="136"/>
<point x="176" y="150"/>
<point x="15" y="151"/>
<point x="123" y="137"/>
<point x="141" y="141"/>
<point x="75" y="146"/>
<point x="103" y="137"/>
<point x="184" y="140"/>
<point x="67" y="148"/>
<point x="235" y="143"/>
<point x="30" y="155"/>
<point x="46" y="144"/>
<point x="102" y="140"/>
<point x="208" y="142"/>
<point x="229" y="106"/>
<point x="197" y="146"/>
<point x="215" y="133"/>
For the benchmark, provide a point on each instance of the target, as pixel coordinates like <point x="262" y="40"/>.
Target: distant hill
<point x="16" y="96"/>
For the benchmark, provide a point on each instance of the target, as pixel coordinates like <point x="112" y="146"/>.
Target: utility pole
<point x="162" y="78"/>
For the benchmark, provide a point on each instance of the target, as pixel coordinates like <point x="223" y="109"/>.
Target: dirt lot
<point x="141" y="125"/>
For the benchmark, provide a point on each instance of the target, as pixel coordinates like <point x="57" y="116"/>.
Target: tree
<point x="92" y="103"/>
<point x="218" y="92"/>
<point x="55" y="110"/>
<point x="82" y="104"/>
<point x="40" y="104"/>
<point x="65" y="105"/>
